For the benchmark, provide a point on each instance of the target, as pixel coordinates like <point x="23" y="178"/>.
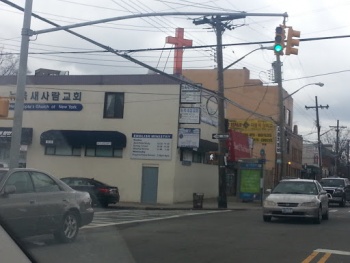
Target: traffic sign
<point x="220" y="136"/>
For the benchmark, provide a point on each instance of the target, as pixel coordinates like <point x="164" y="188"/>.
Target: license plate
<point x="287" y="210"/>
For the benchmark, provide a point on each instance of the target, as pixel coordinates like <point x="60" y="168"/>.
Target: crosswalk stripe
<point x="142" y="217"/>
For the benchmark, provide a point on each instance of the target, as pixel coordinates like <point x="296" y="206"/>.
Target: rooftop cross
<point x="179" y="42"/>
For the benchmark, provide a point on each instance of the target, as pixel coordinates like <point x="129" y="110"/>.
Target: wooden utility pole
<point x="319" y="145"/>
<point x="337" y="129"/>
<point x="220" y="23"/>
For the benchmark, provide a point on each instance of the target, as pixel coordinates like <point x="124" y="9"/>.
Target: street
<point x="201" y="236"/>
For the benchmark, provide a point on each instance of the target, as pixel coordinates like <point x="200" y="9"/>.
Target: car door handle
<point x="31" y="201"/>
<point x="65" y="200"/>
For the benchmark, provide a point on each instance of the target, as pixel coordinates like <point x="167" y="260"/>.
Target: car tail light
<point x="103" y="190"/>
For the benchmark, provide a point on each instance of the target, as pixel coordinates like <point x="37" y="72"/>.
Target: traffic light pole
<point x="281" y="121"/>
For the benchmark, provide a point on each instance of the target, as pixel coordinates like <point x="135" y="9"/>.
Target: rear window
<point x="332" y="182"/>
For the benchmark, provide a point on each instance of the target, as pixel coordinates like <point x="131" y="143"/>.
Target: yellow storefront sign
<point x="261" y="131"/>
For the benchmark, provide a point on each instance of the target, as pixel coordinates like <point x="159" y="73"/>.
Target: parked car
<point x="297" y="198"/>
<point x="101" y="193"/>
<point x="33" y="202"/>
<point x="338" y="189"/>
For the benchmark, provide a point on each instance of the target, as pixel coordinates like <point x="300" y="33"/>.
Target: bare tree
<point x="8" y="63"/>
<point x="343" y="140"/>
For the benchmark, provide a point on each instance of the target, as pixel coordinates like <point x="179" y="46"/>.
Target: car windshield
<point x="332" y="182"/>
<point x="290" y="187"/>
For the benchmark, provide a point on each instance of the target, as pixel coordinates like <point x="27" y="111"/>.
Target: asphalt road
<point x="232" y="236"/>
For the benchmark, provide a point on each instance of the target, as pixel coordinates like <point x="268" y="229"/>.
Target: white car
<point x="297" y="198"/>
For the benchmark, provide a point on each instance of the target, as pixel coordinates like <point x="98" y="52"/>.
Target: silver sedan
<point x="33" y="202"/>
<point x="297" y="198"/>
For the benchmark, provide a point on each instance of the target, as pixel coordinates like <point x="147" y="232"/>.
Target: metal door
<point x="149" y="187"/>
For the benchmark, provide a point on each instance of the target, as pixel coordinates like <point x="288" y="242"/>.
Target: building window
<point x="62" y="150"/>
<point x="114" y="105"/>
<point x="287" y="117"/>
<point x="103" y="151"/>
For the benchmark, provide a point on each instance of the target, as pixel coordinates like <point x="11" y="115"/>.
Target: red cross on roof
<point x="179" y="42"/>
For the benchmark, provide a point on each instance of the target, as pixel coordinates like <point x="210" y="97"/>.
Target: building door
<point x="149" y="187"/>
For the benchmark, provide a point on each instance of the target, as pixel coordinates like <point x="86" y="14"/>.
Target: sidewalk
<point x="208" y="204"/>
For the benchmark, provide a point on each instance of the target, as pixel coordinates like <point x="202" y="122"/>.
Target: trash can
<point x="198" y="200"/>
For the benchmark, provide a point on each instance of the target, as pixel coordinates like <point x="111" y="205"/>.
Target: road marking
<point x="324" y="258"/>
<point x="333" y="210"/>
<point x="98" y="224"/>
<point x="337" y="252"/>
<point x="310" y="257"/>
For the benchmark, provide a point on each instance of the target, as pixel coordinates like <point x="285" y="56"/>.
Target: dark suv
<point x="338" y="188"/>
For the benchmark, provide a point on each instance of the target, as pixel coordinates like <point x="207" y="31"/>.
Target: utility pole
<point x="337" y="146"/>
<point x="220" y="23"/>
<point x="219" y="27"/>
<point x="20" y="91"/>
<point x="347" y="158"/>
<point x="319" y="146"/>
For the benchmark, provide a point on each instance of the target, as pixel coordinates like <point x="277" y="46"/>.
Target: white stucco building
<point x="132" y="131"/>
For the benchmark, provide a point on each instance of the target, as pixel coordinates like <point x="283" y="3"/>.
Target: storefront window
<point x="103" y="151"/>
<point x="62" y="150"/>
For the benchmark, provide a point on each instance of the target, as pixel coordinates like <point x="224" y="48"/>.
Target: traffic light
<point x="291" y="42"/>
<point x="279" y="40"/>
<point x="4" y="107"/>
<point x="213" y="157"/>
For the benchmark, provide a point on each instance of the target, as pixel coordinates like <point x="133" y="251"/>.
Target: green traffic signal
<point x="278" y="48"/>
<point x="279" y="40"/>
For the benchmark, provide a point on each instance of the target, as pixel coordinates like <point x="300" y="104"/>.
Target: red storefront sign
<point x="238" y="146"/>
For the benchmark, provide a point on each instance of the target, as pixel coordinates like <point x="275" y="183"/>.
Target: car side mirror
<point x="9" y="189"/>
<point x="323" y="192"/>
<point x="268" y="191"/>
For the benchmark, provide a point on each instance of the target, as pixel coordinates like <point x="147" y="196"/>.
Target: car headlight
<point x="309" y="204"/>
<point x="338" y="190"/>
<point x="269" y="203"/>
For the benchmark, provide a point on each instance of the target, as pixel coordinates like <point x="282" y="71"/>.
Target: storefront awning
<point x="79" y="138"/>
<point x="6" y="134"/>
<point x="207" y="146"/>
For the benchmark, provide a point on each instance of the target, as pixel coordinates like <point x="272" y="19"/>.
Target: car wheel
<point x="267" y="218"/>
<point x="104" y="204"/>
<point x="69" y="228"/>
<point x="318" y="219"/>
<point x="343" y="202"/>
<point x="326" y="215"/>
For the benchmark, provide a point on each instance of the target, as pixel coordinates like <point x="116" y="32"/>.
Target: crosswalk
<point x="119" y="217"/>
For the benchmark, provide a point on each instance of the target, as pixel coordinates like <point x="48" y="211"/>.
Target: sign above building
<point x="190" y="94"/>
<point x="150" y="146"/>
<point x="189" y="137"/>
<point x="50" y="106"/>
<point x="261" y="131"/>
<point x="189" y="115"/>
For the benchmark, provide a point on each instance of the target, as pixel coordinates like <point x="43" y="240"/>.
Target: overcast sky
<point x="325" y="61"/>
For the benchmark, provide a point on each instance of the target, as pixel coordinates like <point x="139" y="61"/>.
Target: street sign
<point x="220" y="136"/>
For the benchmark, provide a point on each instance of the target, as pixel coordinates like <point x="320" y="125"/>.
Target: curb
<point x="118" y="207"/>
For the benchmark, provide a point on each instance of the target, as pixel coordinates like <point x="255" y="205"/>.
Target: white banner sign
<point x="149" y="146"/>
<point x="190" y="115"/>
<point x="189" y="137"/>
<point x="190" y="94"/>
